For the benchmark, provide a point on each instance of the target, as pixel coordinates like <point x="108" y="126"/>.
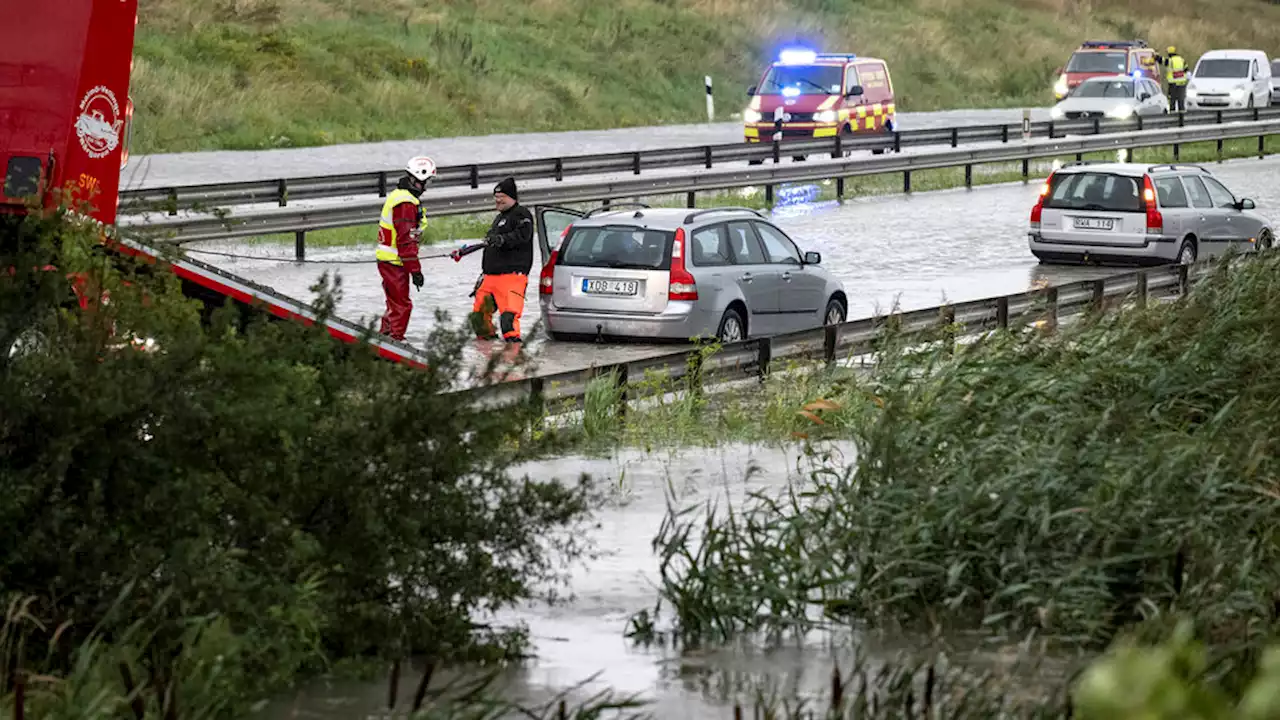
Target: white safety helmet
<point x="421" y="168"/>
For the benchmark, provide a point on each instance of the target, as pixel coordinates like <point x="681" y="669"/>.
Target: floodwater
<point x="917" y="251"/>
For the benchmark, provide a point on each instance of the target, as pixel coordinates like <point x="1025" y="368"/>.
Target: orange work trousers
<point x="504" y="293"/>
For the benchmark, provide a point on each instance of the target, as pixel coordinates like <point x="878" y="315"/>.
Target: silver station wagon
<point x="1133" y="213"/>
<point x="677" y="274"/>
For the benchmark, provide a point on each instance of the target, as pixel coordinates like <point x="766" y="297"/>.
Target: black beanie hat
<point x="507" y="187"/>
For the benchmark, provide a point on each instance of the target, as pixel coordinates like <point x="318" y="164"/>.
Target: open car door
<point x="551" y="224"/>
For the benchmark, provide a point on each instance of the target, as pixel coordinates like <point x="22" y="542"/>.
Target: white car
<point x="1230" y="79"/>
<point x="1118" y="97"/>
<point x="1275" y="82"/>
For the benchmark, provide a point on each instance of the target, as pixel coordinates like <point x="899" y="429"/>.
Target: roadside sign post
<point x="711" y="103"/>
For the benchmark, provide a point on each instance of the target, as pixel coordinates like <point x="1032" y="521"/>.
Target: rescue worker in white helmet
<point x="399" y="231"/>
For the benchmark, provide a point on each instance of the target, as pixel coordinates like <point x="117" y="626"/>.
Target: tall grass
<point x="249" y="74"/>
<point x="1069" y="486"/>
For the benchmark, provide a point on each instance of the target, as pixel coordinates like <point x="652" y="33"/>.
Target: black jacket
<point x="510" y="243"/>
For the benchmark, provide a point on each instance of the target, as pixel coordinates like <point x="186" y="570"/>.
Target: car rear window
<point x="1095" y="191"/>
<point x="1085" y="62"/>
<point x="618" y="246"/>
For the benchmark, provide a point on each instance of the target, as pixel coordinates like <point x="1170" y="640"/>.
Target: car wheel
<point x="732" y="327"/>
<point x="835" y="313"/>
<point x="1187" y="253"/>
<point x="1264" y="240"/>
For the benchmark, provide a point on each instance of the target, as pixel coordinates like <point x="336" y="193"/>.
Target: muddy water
<point x="914" y="251"/>
<point x="577" y="640"/>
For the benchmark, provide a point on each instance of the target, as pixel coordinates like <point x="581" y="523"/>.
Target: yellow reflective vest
<point x="1177" y="74"/>
<point x="388" y="250"/>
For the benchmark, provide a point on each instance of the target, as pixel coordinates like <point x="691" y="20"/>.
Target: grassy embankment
<point x="465" y="227"/>
<point x="252" y="74"/>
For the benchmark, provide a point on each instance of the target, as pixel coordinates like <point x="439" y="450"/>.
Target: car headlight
<point x="826" y="116"/>
<point x="1060" y="87"/>
<point x="751" y="116"/>
<point x="1239" y="93"/>
<point x="1122" y="112"/>
<point x="1056" y="113"/>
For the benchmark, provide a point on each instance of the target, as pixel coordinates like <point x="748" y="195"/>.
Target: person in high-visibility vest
<point x="1176" y="76"/>
<point x="399" y="230"/>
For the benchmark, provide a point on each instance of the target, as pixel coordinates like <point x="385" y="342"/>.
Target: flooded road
<point x="917" y="251"/>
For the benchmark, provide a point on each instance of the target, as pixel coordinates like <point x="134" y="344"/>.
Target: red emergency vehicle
<point x="1095" y="58"/>
<point x="65" y="119"/>
<point x="820" y="95"/>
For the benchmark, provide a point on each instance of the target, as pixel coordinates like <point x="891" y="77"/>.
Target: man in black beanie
<point x="508" y="258"/>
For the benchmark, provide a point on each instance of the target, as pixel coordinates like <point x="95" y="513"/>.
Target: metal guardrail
<point x="364" y="212"/>
<point x="282" y="191"/>
<point x="754" y="358"/>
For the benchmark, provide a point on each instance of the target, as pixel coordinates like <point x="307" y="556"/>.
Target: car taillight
<point x="1039" y="206"/>
<point x="548" y="274"/>
<point x="1155" y="221"/>
<point x="681" y="285"/>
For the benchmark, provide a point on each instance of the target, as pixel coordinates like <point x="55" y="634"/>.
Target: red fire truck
<point x="65" y="122"/>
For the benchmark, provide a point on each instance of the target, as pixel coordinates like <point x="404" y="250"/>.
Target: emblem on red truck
<point x="99" y="124"/>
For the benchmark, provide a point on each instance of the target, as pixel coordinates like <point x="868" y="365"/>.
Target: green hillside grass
<point x="252" y="74"/>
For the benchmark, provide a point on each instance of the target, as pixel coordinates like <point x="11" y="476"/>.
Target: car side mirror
<point x="812" y="258"/>
<point x="1245" y="204"/>
<point x="751" y="91"/>
<point x="1144" y="97"/>
<point x="854" y="91"/>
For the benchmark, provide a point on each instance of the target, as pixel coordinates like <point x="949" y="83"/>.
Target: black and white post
<point x="711" y="103"/>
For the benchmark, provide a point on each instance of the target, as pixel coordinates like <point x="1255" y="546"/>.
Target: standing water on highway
<point x="917" y="251"/>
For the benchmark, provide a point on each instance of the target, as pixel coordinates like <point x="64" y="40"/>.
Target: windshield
<point x="1094" y="191"/>
<point x="1090" y="62"/>
<point x="1222" y="69"/>
<point x="803" y="79"/>
<point x="618" y="246"/>
<point x="1104" y="89"/>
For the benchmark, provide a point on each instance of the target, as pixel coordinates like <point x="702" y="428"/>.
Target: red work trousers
<point x="395" y="285"/>
<point x="504" y="293"/>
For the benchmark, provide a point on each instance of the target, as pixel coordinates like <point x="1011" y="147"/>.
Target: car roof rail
<point x="728" y="208"/>
<point x="1179" y="166"/>
<point x="615" y="206"/>
<point x="1113" y="43"/>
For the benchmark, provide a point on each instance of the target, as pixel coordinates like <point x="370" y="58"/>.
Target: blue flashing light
<point x="797" y="56"/>
<point x="1136" y="74"/>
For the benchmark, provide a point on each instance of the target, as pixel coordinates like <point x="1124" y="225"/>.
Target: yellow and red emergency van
<point x="820" y="95"/>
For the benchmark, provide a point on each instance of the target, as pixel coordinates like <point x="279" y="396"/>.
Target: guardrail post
<point x="475" y="177"/>
<point x="1255" y="114"/>
<point x="768" y="195"/>
<point x="968" y="176"/>
<point x="173" y="202"/>
<point x="621" y="385"/>
<point x="897" y="141"/>
<point x="838" y="152"/>
<point x="1004" y="134"/>
<point x="764" y="353"/>
<point x="906" y="181"/>
<point x="1219" y="117"/>
<point x="1184" y="279"/>
<point x="1219" y="149"/>
<point x="283" y="192"/>
<point x="1262" y="146"/>
<point x="1142" y="288"/>
<point x="777" y="152"/>
<point x="1051" y="309"/>
<point x="635" y="164"/>
<point x="1099" y="295"/>
<point x="949" y="331"/>
<point x="829" y="340"/>
<point x="1050" y="129"/>
<point x="1026" y="169"/>
<point x="840" y="188"/>
<point x="1097" y="126"/>
<point x="300" y="245"/>
<point x="537" y="394"/>
<point x="1139" y="117"/>
<point x="1002" y="313"/>
<point x="1079" y="157"/>
<point x="690" y="200"/>
<point x="382" y="184"/>
<point x="1177" y="152"/>
<point x="955" y="136"/>
<point x="706" y="155"/>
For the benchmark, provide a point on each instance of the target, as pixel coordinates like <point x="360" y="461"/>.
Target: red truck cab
<point x="820" y="95"/>
<point x="1095" y="58"/>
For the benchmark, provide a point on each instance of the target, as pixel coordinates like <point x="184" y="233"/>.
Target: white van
<point x="1228" y="79"/>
